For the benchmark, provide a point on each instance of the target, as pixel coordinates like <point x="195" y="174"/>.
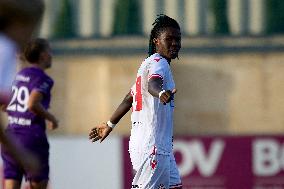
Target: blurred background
<point x="229" y="77"/>
<point x="229" y="73"/>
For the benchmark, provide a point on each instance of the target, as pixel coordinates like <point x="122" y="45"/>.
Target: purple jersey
<point x="26" y="81"/>
<point x="26" y="129"/>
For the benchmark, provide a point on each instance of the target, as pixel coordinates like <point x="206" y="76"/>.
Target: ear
<point x="155" y="41"/>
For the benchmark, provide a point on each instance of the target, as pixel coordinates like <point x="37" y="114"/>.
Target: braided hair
<point x="161" y="23"/>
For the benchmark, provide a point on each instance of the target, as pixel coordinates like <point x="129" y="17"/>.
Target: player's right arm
<point x="157" y="72"/>
<point x="102" y="131"/>
<point x="35" y="106"/>
<point x="155" y="88"/>
<point x="122" y="109"/>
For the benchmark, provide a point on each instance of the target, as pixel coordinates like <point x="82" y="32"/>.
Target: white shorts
<point x="155" y="171"/>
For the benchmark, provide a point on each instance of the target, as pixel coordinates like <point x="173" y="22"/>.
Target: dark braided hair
<point x="34" y="48"/>
<point x="161" y="23"/>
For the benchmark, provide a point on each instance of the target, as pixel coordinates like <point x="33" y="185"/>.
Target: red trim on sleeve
<point x="155" y="75"/>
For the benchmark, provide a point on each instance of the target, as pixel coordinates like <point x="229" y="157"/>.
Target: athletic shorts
<point x="155" y="171"/>
<point x="34" y="143"/>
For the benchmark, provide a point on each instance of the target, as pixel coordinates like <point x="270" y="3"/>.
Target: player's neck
<point x="39" y="66"/>
<point x="168" y="59"/>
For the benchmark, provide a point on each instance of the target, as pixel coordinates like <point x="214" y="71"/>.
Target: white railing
<point x="96" y="17"/>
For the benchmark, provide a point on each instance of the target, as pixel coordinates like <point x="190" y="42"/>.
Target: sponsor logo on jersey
<point x="157" y="59"/>
<point x="22" y="78"/>
<point x="19" y="121"/>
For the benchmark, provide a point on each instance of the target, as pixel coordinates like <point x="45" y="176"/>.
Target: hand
<point x="3" y="107"/>
<point x="167" y="96"/>
<point x="52" y="123"/>
<point x="100" y="132"/>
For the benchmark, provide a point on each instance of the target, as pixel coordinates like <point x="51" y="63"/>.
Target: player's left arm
<point x="102" y="131"/>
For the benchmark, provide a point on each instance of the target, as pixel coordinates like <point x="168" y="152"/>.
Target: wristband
<point x="160" y="93"/>
<point x="110" y="124"/>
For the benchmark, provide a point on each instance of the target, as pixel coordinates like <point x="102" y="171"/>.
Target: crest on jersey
<point x="44" y="86"/>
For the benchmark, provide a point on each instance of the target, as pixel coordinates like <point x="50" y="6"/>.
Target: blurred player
<point x="27" y="113"/>
<point x="18" y="20"/>
<point x="152" y="102"/>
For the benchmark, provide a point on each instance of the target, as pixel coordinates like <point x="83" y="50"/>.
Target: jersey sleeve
<point x="157" y="69"/>
<point x="43" y="85"/>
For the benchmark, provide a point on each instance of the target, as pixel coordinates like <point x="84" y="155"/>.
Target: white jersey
<point x="8" y="62"/>
<point x="152" y="121"/>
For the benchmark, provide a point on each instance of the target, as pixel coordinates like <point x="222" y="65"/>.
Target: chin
<point x="174" y="56"/>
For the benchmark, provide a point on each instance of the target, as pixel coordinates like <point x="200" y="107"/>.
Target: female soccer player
<point x="27" y="113"/>
<point x="152" y="100"/>
<point x="18" y="20"/>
